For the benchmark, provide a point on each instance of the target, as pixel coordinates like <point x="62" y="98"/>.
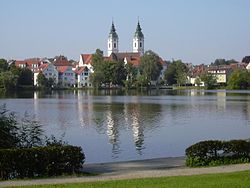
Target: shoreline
<point x="149" y="168"/>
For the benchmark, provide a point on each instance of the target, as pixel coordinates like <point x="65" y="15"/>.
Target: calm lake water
<point x="116" y="126"/>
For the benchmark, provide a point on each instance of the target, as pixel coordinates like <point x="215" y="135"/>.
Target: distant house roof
<point x="28" y="63"/>
<point x="87" y="58"/>
<point x="133" y="58"/>
<point x="79" y="70"/>
<point x="62" y="69"/>
<point x="61" y="61"/>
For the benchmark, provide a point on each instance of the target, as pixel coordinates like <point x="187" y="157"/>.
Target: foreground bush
<point x="214" y="152"/>
<point x="40" y="161"/>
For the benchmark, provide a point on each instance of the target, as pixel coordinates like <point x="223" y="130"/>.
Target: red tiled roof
<point x="43" y="67"/>
<point x="87" y="58"/>
<point x="61" y="61"/>
<point x="62" y="69"/>
<point x="133" y="58"/>
<point x="80" y="70"/>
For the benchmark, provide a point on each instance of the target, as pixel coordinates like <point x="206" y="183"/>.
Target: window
<point x="114" y="45"/>
<point x="109" y="45"/>
<point x="86" y="73"/>
<point x="135" y="44"/>
<point x="140" y="44"/>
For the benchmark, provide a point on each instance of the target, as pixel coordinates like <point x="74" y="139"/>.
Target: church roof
<point x="131" y="57"/>
<point x="138" y="32"/>
<point x="112" y="33"/>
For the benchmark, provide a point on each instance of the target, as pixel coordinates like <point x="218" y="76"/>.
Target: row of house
<point x="77" y="74"/>
<point x="60" y="70"/>
<point x="221" y="73"/>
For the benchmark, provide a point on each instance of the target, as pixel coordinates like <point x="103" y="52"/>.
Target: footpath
<point x="132" y="170"/>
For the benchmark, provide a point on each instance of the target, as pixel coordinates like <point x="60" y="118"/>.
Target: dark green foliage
<point x="40" y="161"/>
<point x="220" y="62"/>
<point x="30" y="132"/>
<point x="240" y="79"/>
<point x="214" y="152"/>
<point x="3" y="65"/>
<point x="8" y="129"/>
<point x="25" y="77"/>
<point x="176" y="73"/>
<point x="209" y="79"/>
<point x="107" y="73"/>
<point x="150" y="66"/>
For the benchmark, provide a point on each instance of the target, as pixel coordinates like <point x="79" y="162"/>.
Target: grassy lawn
<point x="227" y="180"/>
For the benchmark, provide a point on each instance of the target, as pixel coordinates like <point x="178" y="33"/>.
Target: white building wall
<point x="67" y="79"/>
<point x="138" y="45"/>
<point x="51" y="72"/>
<point x="113" y="45"/>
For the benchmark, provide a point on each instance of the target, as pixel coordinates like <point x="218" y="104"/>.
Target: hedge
<point x="40" y="161"/>
<point x="215" y="152"/>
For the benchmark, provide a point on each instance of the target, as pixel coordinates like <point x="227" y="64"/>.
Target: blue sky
<point x="196" y="31"/>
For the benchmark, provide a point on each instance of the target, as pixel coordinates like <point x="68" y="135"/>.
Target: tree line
<point x="12" y="77"/>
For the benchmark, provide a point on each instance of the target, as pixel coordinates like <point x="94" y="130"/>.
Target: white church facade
<point x="138" y="41"/>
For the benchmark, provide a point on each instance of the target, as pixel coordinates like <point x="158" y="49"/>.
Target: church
<point x="113" y="53"/>
<point x="128" y="57"/>
<point x="138" y="41"/>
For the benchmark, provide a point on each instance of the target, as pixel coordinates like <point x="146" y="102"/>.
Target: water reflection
<point x="134" y="125"/>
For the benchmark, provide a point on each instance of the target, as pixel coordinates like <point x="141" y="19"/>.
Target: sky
<point x="195" y="31"/>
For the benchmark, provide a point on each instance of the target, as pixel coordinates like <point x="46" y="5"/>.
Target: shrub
<point x="214" y="152"/>
<point x="40" y="161"/>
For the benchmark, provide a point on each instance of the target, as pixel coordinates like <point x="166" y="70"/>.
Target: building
<point x="49" y="71"/>
<point x="83" y="76"/>
<point x="32" y="64"/>
<point x="66" y="76"/>
<point x="221" y="73"/>
<point x="113" y="41"/>
<point x="138" y="40"/>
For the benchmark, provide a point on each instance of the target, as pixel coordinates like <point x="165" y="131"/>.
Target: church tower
<point x="138" y="40"/>
<point x="113" y="41"/>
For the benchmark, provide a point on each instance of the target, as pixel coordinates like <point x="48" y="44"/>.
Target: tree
<point x="150" y="66"/>
<point x="30" y="132"/>
<point x="209" y="80"/>
<point x="181" y="73"/>
<point x="239" y="79"/>
<point x="3" y="65"/>
<point x="8" y="129"/>
<point x="131" y="73"/>
<point x="42" y="81"/>
<point x="8" y="81"/>
<point x="197" y="81"/>
<point x="97" y="77"/>
<point x="176" y="73"/>
<point x="25" y="77"/>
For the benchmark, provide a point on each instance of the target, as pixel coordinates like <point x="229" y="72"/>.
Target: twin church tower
<point x="138" y="40"/>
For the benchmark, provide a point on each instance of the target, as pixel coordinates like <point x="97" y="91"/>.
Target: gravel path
<point x="131" y="170"/>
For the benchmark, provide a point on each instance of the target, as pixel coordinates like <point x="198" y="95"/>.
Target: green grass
<point x="227" y="180"/>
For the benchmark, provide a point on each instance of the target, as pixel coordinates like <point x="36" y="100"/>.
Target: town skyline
<point x="196" y="32"/>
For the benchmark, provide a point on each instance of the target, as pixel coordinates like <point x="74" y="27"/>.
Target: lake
<point x="116" y="126"/>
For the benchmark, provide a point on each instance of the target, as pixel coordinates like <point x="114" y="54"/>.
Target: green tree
<point x="209" y="80"/>
<point x="30" y="132"/>
<point x="150" y="66"/>
<point x="25" y="77"/>
<point x="239" y="79"/>
<point x="98" y="76"/>
<point x="198" y="81"/>
<point x="181" y="73"/>
<point x="42" y="81"/>
<point x="8" y="81"/>
<point x="131" y="73"/>
<point x="3" y="65"/>
<point x="8" y="129"/>
<point x="176" y="73"/>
